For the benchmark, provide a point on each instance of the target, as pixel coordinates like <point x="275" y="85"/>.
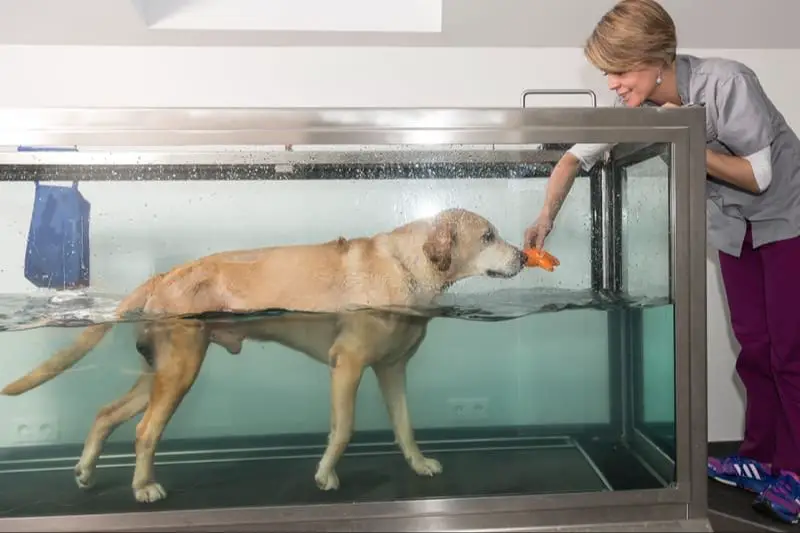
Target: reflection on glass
<point x="512" y="391"/>
<point x="646" y="264"/>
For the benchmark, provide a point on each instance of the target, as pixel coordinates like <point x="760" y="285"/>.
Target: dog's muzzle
<point x="522" y="260"/>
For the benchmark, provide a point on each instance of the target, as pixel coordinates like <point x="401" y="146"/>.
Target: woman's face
<point x="634" y="86"/>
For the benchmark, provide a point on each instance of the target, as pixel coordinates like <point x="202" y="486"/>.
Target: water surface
<point x="83" y="308"/>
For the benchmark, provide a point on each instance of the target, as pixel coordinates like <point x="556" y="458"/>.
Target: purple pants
<point x="763" y="291"/>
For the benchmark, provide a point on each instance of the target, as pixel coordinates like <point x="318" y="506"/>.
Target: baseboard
<point x="723" y="448"/>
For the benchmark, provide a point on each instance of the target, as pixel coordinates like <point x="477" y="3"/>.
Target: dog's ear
<point x="439" y="246"/>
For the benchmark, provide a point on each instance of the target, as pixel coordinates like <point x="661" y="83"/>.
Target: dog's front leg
<point x="347" y="367"/>
<point x="392" y="382"/>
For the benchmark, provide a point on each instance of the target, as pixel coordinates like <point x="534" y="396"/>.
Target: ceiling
<point x="464" y="23"/>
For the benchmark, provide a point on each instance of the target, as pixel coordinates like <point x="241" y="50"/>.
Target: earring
<point x="658" y="79"/>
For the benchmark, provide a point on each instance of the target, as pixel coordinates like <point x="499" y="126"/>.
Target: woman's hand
<point x="538" y="231"/>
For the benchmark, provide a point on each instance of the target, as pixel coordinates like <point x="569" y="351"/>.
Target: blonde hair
<point x="633" y="34"/>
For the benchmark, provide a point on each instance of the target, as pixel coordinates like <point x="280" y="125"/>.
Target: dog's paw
<point x="425" y="466"/>
<point x="327" y="480"/>
<point x="152" y="492"/>
<point x="84" y="476"/>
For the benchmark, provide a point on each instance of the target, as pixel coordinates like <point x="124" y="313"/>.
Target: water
<point x="511" y="391"/>
<point x="83" y="308"/>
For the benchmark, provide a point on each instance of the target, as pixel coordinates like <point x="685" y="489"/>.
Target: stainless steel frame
<point x="115" y="136"/>
<point x="280" y="156"/>
<point x="558" y="92"/>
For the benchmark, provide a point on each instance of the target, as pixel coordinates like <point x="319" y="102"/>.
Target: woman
<point x="753" y="189"/>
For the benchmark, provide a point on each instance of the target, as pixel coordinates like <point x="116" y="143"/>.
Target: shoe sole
<point x="765" y="508"/>
<point x="730" y="483"/>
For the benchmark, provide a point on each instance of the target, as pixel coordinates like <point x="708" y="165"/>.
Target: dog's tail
<point x="88" y="339"/>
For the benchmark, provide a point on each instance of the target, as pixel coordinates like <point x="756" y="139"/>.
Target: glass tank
<point x="272" y="325"/>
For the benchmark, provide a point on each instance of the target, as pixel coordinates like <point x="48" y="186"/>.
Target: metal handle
<point x="555" y="92"/>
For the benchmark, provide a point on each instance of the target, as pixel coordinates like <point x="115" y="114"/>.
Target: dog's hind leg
<point x="180" y="348"/>
<point x="107" y="420"/>
<point x="347" y="367"/>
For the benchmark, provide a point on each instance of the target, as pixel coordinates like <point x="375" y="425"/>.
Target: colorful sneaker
<point x="782" y="499"/>
<point x="741" y="472"/>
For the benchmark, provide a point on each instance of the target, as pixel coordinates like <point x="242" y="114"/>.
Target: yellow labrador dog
<point x="409" y="267"/>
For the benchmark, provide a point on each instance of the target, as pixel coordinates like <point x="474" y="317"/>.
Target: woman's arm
<point x="738" y="171"/>
<point x="559" y="185"/>
<point x="744" y="127"/>
<point x="565" y="171"/>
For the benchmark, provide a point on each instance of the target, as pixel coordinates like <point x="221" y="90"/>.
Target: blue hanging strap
<point x="57" y="252"/>
<point x="47" y="148"/>
<point x="23" y="148"/>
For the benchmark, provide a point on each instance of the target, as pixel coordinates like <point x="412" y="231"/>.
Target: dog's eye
<point x="488" y="237"/>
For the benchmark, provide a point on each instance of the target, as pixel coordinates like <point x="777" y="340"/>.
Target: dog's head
<point x="462" y="244"/>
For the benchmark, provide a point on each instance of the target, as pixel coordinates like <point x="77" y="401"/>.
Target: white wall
<point x="153" y="76"/>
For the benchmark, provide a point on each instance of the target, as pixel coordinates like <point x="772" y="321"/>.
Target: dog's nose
<point x="523" y="259"/>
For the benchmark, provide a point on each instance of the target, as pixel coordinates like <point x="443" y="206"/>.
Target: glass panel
<point x="510" y="391"/>
<point x="646" y="272"/>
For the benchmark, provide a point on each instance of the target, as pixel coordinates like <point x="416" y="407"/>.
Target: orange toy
<point x="541" y="259"/>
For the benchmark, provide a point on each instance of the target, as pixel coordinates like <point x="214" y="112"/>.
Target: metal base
<point x="665" y="526"/>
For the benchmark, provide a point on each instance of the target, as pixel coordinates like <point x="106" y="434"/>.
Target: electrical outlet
<point x="469" y="408"/>
<point x="35" y="430"/>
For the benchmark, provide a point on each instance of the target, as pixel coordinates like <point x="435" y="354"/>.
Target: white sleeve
<point x="589" y="154"/>
<point x="761" y="162"/>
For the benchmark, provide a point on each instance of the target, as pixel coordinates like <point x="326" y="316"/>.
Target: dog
<point x="345" y="285"/>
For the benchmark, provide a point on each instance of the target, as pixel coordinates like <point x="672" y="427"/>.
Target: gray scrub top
<point x="741" y="120"/>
